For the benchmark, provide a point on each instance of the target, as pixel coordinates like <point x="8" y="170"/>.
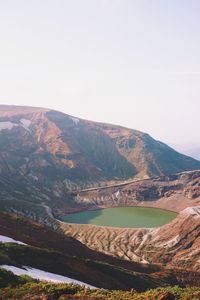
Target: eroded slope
<point x="175" y="244"/>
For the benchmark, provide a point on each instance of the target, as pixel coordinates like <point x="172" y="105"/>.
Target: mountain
<point x="59" y="150"/>
<point x="52" y="163"/>
<point x="45" y="154"/>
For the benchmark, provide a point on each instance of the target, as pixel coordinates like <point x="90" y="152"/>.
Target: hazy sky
<point x="135" y="63"/>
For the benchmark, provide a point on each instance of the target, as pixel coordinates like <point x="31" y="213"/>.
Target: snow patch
<point x="75" y="120"/>
<point x="7" y="125"/>
<point x="25" y="123"/>
<point x="42" y="275"/>
<point x="35" y="177"/>
<point x="5" y="239"/>
<point x="117" y="193"/>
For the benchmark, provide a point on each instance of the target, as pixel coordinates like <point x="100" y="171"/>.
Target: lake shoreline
<point x="75" y="210"/>
<point x="110" y="217"/>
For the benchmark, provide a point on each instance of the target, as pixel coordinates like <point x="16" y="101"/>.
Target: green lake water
<point x="136" y="217"/>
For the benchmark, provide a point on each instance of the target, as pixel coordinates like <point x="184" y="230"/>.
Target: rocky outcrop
<point x="179" y="241"/>
<point x="173" y="192"/>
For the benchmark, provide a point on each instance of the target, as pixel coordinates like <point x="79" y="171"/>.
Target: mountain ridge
<point x="84" y="150"/>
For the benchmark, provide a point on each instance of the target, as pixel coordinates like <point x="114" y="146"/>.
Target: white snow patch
<point x="25" y="124"/>
<point x="117" y="193"/>
<point x="42" y="275"/>
<point x="5" y="239"/>
<point x="75" y="120"/>
<point x="35" y="177"/>
<point x="7" y="125"/>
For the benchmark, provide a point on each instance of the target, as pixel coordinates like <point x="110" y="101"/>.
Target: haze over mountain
<point x="193" y="151"/>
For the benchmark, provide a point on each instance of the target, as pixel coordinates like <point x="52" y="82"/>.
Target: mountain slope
<point x="48" y="160"/>
<point x="172" y="192"/>
<point x="53" y="252"/>
<point x="63" y="151"/>
<point x="176" y="244"/>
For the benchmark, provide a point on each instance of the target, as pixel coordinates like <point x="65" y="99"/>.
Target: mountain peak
<point x="11" y="110"/>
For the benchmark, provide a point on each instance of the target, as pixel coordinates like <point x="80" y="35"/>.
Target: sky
<point x="135" y="63"/>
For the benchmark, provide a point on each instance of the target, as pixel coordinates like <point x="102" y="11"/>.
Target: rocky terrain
<point x="65" y="152"/>
<point x="173" y="192"/>
<point x="176" y="244"/>
<point x="52" y="163"/>
<point x="51" y="251"/>
<point x="45" y="154"/>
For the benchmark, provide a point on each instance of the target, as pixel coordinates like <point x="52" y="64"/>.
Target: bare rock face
<point x="172" y="192"/>
<point x="178" y="243"/>
<point x="192" y="191"/>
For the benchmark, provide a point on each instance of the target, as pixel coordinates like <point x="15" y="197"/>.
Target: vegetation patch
<point x="49" y="291"/>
